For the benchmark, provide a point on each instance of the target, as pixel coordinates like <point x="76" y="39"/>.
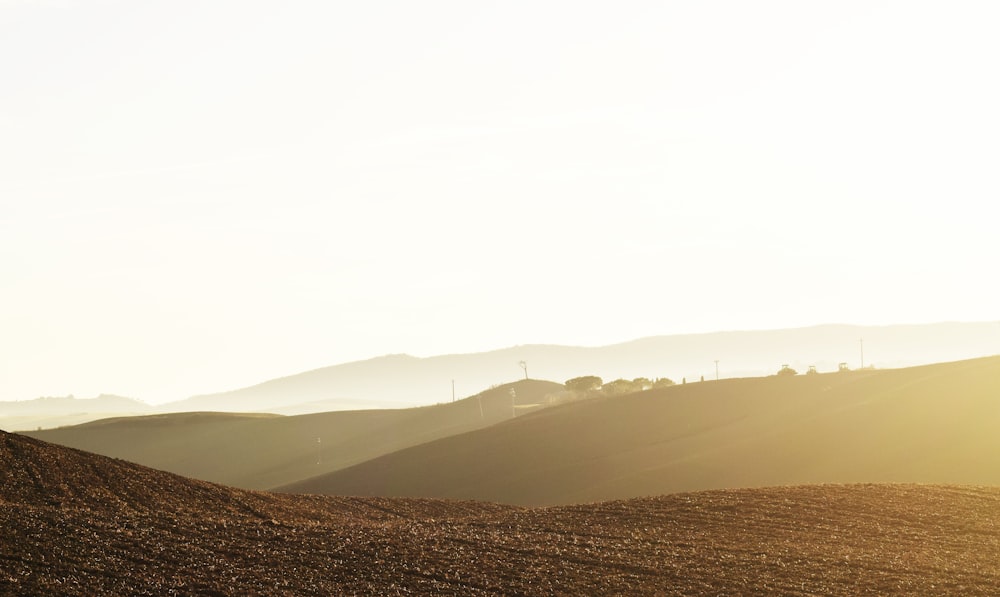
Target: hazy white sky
<point x="198" y="196"/>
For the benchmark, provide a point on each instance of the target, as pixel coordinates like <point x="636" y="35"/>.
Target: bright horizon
<point x="197" y="197"/>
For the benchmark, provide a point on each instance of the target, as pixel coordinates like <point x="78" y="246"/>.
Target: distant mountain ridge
<point x="70" y="404"/>
<point x="399" y="379"/>
<point x="54" y="411"/>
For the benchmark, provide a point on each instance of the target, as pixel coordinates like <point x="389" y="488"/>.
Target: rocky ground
<point x="78" y="524"/>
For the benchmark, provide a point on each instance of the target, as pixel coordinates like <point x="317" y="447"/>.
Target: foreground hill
<point x="79" y="524"/>
<point x="260" y="451"/>
<point x="930" y="424"/>
<point x="385" y="381"/>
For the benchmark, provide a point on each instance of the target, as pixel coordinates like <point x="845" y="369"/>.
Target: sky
<point x="199" y="196"/>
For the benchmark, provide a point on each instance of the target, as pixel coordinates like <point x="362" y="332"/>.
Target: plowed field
<point x="79" y="524"/>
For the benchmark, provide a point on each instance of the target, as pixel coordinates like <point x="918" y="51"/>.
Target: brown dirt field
<point x="75" y="523"/>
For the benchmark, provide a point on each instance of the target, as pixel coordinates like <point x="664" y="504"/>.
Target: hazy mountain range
<point x="395" y="381"/>
<point x="51" y="411"/>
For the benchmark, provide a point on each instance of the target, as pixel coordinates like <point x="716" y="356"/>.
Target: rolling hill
<point x="259" y="451"/>
<point x="928" y="424"/>
<point x="80" y="524"/>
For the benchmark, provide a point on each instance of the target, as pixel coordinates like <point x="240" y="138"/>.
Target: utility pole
<point x="716" y="369"/>
<point x="862" y="342"/>
<point x="453" y="390"/>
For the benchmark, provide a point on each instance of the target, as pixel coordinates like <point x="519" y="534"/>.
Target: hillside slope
<point x="80" y="524"/>
<point x="261" y="451"/>
<point x="930" y="424"/>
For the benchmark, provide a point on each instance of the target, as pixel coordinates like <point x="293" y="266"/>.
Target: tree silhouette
<point x="584" y="384"/>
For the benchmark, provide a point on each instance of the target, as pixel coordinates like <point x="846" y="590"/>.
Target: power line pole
<point x="716" y="369"/>
<point x="453" y="390"/>
<point x="862" y="342"/>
